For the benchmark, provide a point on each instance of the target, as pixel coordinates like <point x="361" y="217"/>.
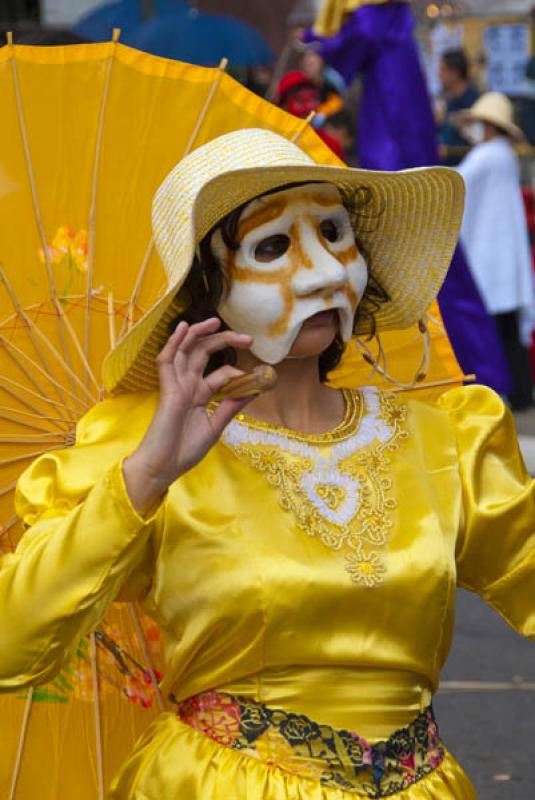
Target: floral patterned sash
<point x="297" y="744"/>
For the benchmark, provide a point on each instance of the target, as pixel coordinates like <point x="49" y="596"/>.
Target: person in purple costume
<point x="397" y="131"/>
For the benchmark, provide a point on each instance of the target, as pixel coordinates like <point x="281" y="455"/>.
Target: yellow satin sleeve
<point x="85" y="546"/>
<point x="496" y="549"/>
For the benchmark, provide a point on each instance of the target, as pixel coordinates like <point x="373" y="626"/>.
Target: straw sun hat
<point x="493" y="107"/>
<point x="412" y="225"/>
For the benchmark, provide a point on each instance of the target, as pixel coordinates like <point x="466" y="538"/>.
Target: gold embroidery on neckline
<point x="336" y="484"/>
<point x="349" y="424"/>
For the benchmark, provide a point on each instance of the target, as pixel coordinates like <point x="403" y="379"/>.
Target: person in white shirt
<point x="494" y="233"/>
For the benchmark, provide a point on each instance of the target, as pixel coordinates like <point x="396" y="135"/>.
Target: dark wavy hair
<point x="207" y="285"/>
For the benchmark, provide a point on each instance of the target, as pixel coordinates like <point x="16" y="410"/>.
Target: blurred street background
<point x="486" y="705"/>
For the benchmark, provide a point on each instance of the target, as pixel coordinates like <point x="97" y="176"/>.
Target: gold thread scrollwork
<point x="340" y="489"/>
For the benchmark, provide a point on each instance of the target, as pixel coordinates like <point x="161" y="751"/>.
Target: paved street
<point x="490" y="729"/>
<point x="486" y="708"/>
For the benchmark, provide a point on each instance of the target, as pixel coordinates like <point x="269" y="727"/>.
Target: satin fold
<point x="375" y="701"/>
<point x="256" y="587"/>
<point x="206" y="770"/>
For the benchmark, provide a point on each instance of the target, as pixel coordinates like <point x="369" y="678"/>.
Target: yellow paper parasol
<point x="88" y="132"/>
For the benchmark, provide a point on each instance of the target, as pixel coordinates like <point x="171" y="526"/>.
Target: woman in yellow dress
<point x="301" y="557"/>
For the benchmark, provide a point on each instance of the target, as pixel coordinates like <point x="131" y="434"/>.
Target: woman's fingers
<point x="225" y="411"/>
<point x="228" y="407"/>
<point x="198" y="330"/>
<point x="217" y="379"/>
<point x="199" y="355"/>
<point x="211" y="344"/>
<point x="168" y="351"/>
<point x="188" y="350"/>
<point x="166" y="358"/>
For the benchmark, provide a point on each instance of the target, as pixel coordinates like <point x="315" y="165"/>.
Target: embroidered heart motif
<point x="335" y="495"/>
<point x="332" y="496"/>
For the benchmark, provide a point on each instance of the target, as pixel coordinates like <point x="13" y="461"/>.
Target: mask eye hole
<point x="330" y="230"/>
<point x="272" y="247"/>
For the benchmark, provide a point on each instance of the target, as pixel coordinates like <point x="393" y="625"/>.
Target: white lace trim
<point x="372" y="427"/>
<point x="324" y="459"/>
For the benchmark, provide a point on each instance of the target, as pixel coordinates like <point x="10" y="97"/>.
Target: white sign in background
<point x="508" y="50"/>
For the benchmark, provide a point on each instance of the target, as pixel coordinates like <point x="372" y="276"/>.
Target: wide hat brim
<point x="409" y="228"/>
<point x="466" y="116"/>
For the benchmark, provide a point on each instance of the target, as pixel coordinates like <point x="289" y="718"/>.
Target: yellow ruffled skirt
<point x="173" y="761"/>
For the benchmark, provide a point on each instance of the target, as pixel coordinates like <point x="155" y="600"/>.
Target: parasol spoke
<point x="21" y="413"/>
<point x="436" y="384"/>
<point x="94" y="191"/>
<point x="146" y="655"/>
<point x="302" y="128"/>
<point x="35" y="195"/>
<point x="6" y="490"/>
<point x="9" y="349"/>
<point x="45" y="438"/>
<point x="12" y="521"/>
<point x="98" y="723"/>
<point x="29" y="325"/>
<point x="76" y="341"/>
<point x="39" y="369"/>
<point x="189" y="146"/>
<point x="223" y="64"/>
<point x="22" y="743"/>
<point x="129" y="321"/>
<point x="29" y="456"/>
<point x="4" y="529"/>
<point x="25" y="424"/>
<point x="111" y="321"/>
<point x="4" y="387"/>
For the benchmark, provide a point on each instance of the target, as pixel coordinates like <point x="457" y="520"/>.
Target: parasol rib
<point x="191" y="141"/>
<point x="12" y="521"/>
<point x="4" y="529"/>
<point x="3" y="491"/>
<point x="29" y="456"/>
<point x="436" y="384"/>
<point x="21" y="399"/>
<point x="25" y="424"/>
<point x="146" y="654"/>
<point x="59" y="357"/>
<point x="111" y="320"/>
<point x="202" y="116"/>
<point x="29" y="326"/>
<point x="10" y="346"/>
<point x="35" y="195"/>
<point x="137" y="286"/>
<point x="9" y="350"/>
<point x="29" y="414"/>
<point x="94" y="188"/>
<point x="302" y="128"/>
<point x="43" y="439"/>
<point x="80" y="351"/>
<point x="98" y="725"/>
<point x="22" y="742"/>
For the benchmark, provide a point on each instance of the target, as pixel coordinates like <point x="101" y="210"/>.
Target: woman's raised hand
<point x="182" y="431"/>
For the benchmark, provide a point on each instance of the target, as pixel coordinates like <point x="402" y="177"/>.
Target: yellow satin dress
<point x="314" y="574"/>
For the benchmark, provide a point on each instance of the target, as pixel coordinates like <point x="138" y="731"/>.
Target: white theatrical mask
<point x="296" y="257"/>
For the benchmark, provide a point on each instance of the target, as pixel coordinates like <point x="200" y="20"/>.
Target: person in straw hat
<point x="495" y="236"/>
<point x="300" y="554"/>
<point x="397" y="130"/>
